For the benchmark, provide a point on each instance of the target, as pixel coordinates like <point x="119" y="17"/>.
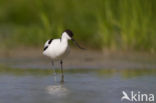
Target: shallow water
<point x="80" y="86"/>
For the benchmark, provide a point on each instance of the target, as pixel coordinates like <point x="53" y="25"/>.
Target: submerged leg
<point x="62" y="77"/>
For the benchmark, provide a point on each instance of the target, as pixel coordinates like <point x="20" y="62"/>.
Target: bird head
<point x="68" y="34"/>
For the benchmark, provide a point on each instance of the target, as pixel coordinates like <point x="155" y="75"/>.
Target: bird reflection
<point x="57" y="90"/>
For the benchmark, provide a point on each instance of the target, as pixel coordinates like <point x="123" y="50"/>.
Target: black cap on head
<point x="69" y="32"/>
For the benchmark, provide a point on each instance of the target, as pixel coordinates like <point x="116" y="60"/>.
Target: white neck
<point x="64" y="40"/>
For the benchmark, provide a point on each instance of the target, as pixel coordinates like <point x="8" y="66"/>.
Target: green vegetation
<point x="126" y="73"/>
<point x="111" y="24"/>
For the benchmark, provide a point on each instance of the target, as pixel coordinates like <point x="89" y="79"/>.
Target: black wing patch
<point x="45" y="48"/>
<point x="50" y="41"/>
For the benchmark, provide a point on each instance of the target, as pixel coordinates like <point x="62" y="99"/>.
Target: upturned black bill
<point x="77" y="44"/>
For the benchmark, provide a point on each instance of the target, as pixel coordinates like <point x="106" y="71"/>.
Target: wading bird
<point x="57" y="49"/>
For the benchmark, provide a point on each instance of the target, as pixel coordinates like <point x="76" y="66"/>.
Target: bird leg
<point x="52" y="62"/>
<point x="62" y="78"/>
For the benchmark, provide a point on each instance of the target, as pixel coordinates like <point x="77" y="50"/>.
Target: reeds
<point x="111" y="24"/>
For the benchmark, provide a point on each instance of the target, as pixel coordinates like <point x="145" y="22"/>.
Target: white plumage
<point x="57" y="49"/>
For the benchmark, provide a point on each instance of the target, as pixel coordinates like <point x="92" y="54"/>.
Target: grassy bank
<point x="126" y="73"/>
<point x="111" y="24"/>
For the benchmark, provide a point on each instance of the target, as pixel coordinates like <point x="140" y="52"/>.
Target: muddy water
<point x="80" y="86"/>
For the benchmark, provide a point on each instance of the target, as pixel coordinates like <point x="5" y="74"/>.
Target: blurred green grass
<point x="99" y="24"/>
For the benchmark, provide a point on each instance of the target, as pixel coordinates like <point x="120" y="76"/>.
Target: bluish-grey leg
<point x="52" y="62"/>
<point x="62" y="76"/>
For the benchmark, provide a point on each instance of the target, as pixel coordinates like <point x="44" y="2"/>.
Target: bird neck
<point x="64" y="40"/>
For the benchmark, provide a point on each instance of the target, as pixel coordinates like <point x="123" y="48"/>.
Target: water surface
<point x="80" y="86"/>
